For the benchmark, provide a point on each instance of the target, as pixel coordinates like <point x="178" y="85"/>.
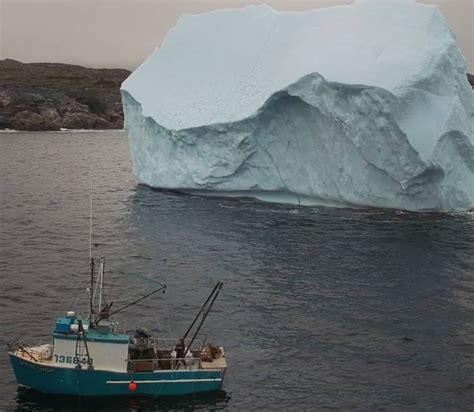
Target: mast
<point x="101" y="282"/>
<point x="90" y="227"/>
<point x="91" y="262"/>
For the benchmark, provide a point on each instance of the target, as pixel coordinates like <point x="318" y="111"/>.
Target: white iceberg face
<point x="360" y="105"/>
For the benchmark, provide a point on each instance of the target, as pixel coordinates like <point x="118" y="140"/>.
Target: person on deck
<point x="180" y="349"/>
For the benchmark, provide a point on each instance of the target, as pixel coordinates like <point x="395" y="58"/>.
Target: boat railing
<point x="35" y="353"/>
<point x="147" y="365"/>
<point x="30" y="341"/>
<point x="170" y="343"/>
<point x="176" y="339"/>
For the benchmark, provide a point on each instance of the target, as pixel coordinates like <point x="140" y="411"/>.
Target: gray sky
<point x="122" y="33"/>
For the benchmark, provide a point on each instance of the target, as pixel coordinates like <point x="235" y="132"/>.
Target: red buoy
<point x="132" y="386"/>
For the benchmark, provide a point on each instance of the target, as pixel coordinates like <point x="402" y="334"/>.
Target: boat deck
<point x="33" y="355"/>
<point x="215" y="364"/>
<point x="30" y="354"/>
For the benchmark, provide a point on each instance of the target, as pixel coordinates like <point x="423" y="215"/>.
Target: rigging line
<point x="160" y="325"/>
<point x="143" y="277"/>
<point x="75" y="298"/>
<point x="138" y="275"/>
<point x="96" y="286"/>
<point x="169" y="323"/>
<point x="78" y="288"/>
<point x="161" y="330"/>
<point x="76" y="294"/>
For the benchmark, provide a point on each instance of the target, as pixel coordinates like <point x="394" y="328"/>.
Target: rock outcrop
<point x="470" y="78"/>
<point x="51" y="96"/>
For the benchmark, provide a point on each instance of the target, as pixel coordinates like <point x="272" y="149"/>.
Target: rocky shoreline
<point x="53" y="96"/>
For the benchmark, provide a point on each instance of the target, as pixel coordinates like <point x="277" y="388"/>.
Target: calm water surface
<point x="321" y="308"/>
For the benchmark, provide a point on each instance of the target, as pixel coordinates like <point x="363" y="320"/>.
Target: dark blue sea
<point x="321" y="308"/>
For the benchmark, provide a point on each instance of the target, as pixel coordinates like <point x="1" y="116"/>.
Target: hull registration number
<point x="73" y="360"/>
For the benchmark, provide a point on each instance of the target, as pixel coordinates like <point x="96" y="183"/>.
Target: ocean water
<point x="321" y="308"/>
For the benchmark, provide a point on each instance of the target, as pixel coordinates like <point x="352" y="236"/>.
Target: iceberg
<point x="365" y="105"/>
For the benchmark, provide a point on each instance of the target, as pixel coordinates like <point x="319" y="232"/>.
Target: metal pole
<point x="90" y="226"/>
<point x="162" y="288"/>
<point x="91" y="308"/>
<point x="101" y="282"/>
<point x="202" y="308"/>
<point x="220" y="284"/>
<point x="91" y="303"/>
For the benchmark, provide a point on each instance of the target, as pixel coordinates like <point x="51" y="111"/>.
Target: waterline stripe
<point x="169" y="381"/>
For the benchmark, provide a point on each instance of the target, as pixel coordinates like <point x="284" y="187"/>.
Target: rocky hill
<point x="51" y="96"/>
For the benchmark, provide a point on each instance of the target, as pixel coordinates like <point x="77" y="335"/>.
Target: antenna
<point x="90" y="227"/>
<point x="91" y="261"/>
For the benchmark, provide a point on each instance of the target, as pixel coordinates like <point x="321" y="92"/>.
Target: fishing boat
<point x="88" y="356"/>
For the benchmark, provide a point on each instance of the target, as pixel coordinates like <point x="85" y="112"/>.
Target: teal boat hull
<point x="51" y="379"/>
